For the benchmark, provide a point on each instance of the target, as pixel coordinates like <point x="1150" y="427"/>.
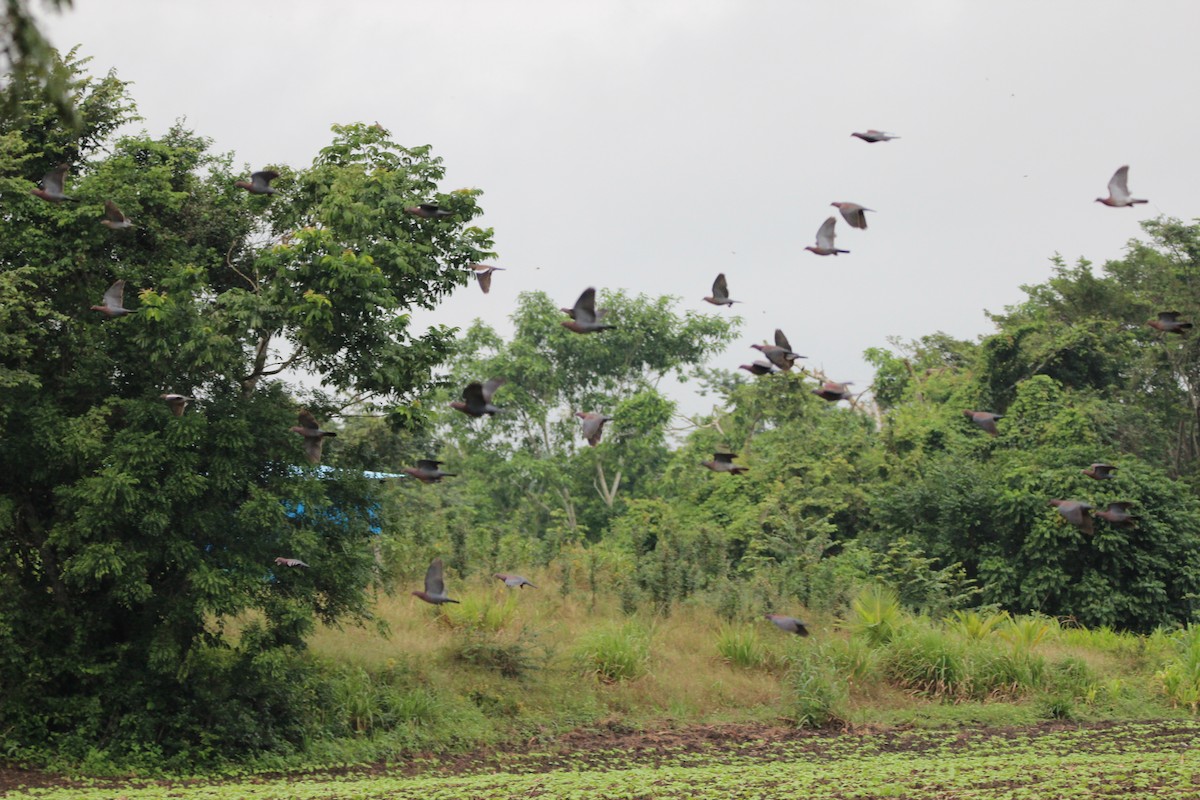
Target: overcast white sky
<point x="650" y="145"/>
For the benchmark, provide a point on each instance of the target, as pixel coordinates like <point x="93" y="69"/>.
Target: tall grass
<point x="1180" y="678"/>
<point x="451" y="679"/>
<point x="615" y="653"/>
<point x="741" y="646"/>
<point x="816" y="695"/>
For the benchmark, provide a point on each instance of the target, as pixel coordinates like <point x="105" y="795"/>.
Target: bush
<point x="512" y="656"/>
<point x="877" y="615"/>
<point x="615" y="653"/>
<point x="974" y="625"/>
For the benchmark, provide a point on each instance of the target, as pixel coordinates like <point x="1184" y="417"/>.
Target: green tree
<point x="533" y="467"/>
<point x="128" y="537"/>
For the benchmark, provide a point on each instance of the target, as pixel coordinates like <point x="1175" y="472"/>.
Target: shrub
<point x="974" y="625"/>
<point x="741" y="646"/>
<point x="512" y="656"/>
<point x="876" y="615"/>
<point x="615" y="653"/>
<point x="1026" y="633"/>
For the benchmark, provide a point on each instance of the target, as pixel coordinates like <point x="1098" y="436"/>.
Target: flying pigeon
<point x="1168" y="322"/>
<point x="874" y="136"/>
<point x="1076" y="513"/>
<point x="428" y="471"/>
<point x="51" y="186"/>
<point x="290" y="562"/>
<point x="723" y="462"/>
<point x="780" y="354"/>
<point x="428" y="211"/>
<point x="113" y="218"/>
<point x="477" y="398"/>
<point x="789" y="624"/>
<point x="985" y="420"/>
<point x="583" y="316"/>
<point x="514" y="581"/>
<point x="593" y="425"/>
<point x="259" y="183"/>
<point x="759" y="368"/>
<point x="1117" y="514"/>
<point x="834" y="391"/>
<point x="720" y="293"/>
<point x="177" y="403"/>
<point x="483" y="274"/>
<point x="1118" y="191"/>
<point x="1099" y="472"/>
<point x="314" y="437"/>
<point x="113" y="303"/>
<point x="853" y="214"/>
<point x="435" y="586"/>
<point x="825" y="237"/>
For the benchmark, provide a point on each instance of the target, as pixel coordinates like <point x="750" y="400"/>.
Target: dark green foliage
<point x="130" y="537"/>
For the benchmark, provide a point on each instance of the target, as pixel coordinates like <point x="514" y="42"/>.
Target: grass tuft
<point x="741" y="646"/>
<point x="615" y="653"/>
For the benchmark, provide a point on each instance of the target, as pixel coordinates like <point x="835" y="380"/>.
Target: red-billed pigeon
<point x="513" y="581"/>
<point x="853" y="214"/>
<point x="789" y="624"/>
<point x="833" y="391"/>
<point x="1076" y="513"/>
<point x="259" y="183"/>
<point x="50" y="188"/>
<point x="477" y="398"/>
<point x="1118" y="191"/>
<point x="314" y="437"/>
<point x="177" y="403"/>
<point x="429" y="211"/>
<point x="583" y="316"/>
<point x="593" y="425"/>
<point x="1168" y="322"/>
<point x="985" y="420"/>
<point x="428" y="471"/>
<point x="483" y="274"/>
<point x="723" y="462"/>
<point x="113" y="218"/>
<point x="113" y="304"/>
<point x="720" y="293"/>
<point x="435" y="586"/>
<point x="1099" y="472"/>
<point x="1117" y="513"/>
<point x="874" y="136"/>
<point x="825" y="237"/>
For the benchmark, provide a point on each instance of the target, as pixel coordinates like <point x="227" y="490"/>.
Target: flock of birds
<point x="585" y="318"/>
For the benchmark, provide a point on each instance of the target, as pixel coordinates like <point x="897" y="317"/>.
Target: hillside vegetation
<point x="193" y="590"/>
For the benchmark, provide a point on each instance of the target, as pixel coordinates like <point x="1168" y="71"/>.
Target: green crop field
<point x="1134" y="760"/>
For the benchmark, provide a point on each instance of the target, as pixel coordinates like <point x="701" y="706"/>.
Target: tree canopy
<point x="132" y="536"/>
